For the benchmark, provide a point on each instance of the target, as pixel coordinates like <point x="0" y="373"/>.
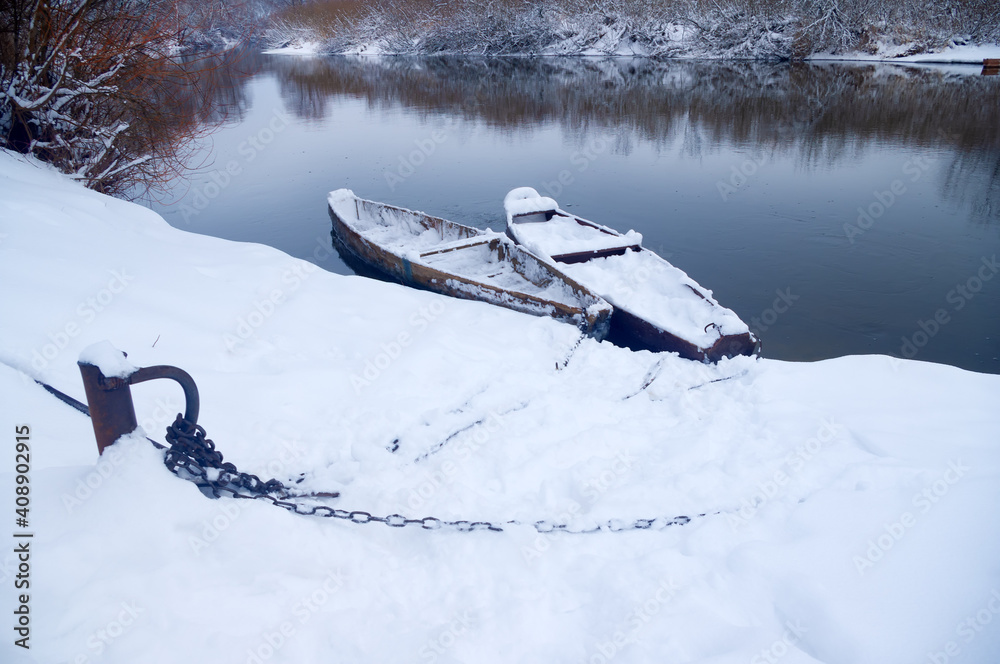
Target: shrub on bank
<point x="756" y="29"/>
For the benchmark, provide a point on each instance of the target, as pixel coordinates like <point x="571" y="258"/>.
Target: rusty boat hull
<point x="599" y="258"/>
<point x="421" y="251"/>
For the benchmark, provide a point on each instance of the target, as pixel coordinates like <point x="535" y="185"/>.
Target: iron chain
<point x="192" y="456"/>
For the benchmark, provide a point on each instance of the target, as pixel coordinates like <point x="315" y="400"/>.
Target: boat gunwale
<point x="634" y="324"/>
<point x="478" y="241"/>
<point x="500" y="296"/>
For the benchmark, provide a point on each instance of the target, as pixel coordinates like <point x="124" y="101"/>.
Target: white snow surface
<point x="454" y="249"/>
<point x="972" y="54"/>
<point x="649" y="287"/>
<point x="111" y="361"/>
<point x="398" y="230"/>
<point x="480" y="263"/>
<point x="603" y="33"/>
<point x="305" y="48"/>
<point x="525" y="200"/>
<point x="563" y="234"/>
<point x="859" y="496"/>
<point x="638" y="281"/>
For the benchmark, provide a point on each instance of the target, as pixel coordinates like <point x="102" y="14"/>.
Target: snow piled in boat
<point x="525" y="200"/>
<point x="555" y="232"/>
<point x="640" y="282"/>
<point x="565" y="235"/>
<point x="482" y="263"/>
<point x="462" y="251"/>
<point x="398" y="230"/>
<point x="649" y="287"/>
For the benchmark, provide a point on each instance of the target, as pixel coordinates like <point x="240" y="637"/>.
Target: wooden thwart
<point x="638" y="320"/>
<point x="459" y="261"/>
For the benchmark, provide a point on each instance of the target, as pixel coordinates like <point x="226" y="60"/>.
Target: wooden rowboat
<point x="434" y="254"/>
<point x="656" y="305"/>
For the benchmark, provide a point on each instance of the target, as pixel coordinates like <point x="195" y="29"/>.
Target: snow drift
<point x="857" y="496"/>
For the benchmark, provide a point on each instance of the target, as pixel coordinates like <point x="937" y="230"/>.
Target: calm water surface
<point x="838" y="209"/>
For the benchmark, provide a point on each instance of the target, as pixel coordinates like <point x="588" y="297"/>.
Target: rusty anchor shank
<point x="110" y="399"/>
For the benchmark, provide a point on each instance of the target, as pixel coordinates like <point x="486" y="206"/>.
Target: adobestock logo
<point x="895" y="531"/>
<point x="408" y="164"/>
<point x="220" y="179"/>
<point x="740" y="176"/>
<point x="86" y="313"/>
<point x="272" y="641"/>
<point x="581" y="161"/>
<point x="391" y="350"/>
<point x="884" y="199"/>
<point x="958" y="297"/>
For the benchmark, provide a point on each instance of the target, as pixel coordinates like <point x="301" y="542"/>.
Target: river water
<point x="837" y="208"/>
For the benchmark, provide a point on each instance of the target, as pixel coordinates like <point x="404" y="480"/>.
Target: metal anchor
<point x="110" y="399"/>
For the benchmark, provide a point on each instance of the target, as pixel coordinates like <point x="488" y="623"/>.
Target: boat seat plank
<point x="573" y="238"/>
<point x="464" y="243"/>
<point x="582" y="256"/>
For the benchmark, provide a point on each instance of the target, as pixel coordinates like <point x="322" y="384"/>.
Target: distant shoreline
<point x="972" y="56"/>
<point x="772" y="30"/>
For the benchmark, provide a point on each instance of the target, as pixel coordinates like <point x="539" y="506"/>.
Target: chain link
<point x="192" y="456"/>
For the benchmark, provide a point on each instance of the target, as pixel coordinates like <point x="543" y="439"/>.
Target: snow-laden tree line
<point x="768" y="29"/>
<point x="97" y="88"/>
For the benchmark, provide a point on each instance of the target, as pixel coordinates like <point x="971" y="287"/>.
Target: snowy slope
<point x="972" y="54"/>
<point x="860" y="496"/>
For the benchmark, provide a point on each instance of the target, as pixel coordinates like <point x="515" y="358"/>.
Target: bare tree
<point x="756" y="29"/>
<point x="85" y="85"/>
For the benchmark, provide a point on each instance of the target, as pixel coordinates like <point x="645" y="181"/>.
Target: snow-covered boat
<point x="435" y="254"/>
<point x="656" y="305"/>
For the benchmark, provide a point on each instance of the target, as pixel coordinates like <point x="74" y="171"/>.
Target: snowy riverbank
<point x="953" y="54"/>
<point x="899" y="53"/>
<point x="894" y="31"/>
<point x="858" y="495"/>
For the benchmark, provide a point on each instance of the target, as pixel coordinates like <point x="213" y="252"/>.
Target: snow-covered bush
<point x="93" y="86"/>
<point x="489" y="27"/>
<point x="753" y="29"/>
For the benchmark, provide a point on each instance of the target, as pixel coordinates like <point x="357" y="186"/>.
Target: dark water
<point x="839" y="209"/>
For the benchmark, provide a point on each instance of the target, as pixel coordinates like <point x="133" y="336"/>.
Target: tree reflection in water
<point x="820" y="113"/>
